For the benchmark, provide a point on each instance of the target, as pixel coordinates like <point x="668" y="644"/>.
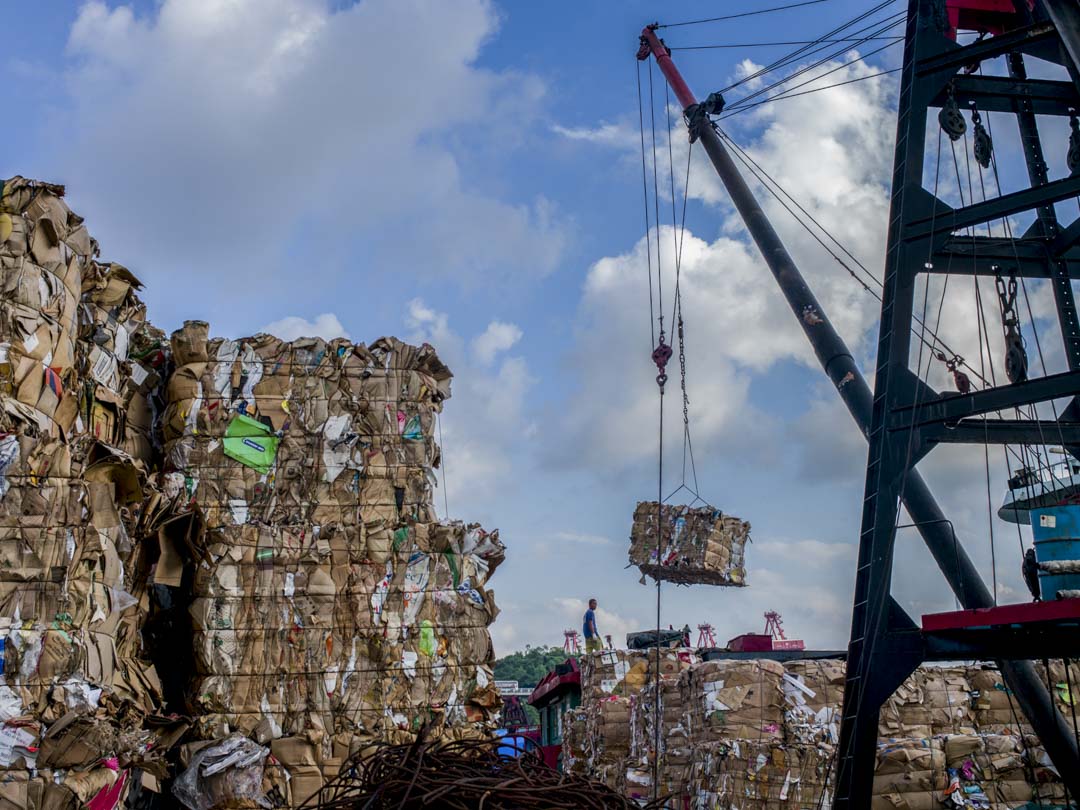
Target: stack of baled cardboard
<point x="761" y="735"/>
<point x="688" y="544"/>
<point x="79" y="370"/>
<point x="672" y="759"/>
<point x="255" y="515"/>
<point x="330" y="608"/>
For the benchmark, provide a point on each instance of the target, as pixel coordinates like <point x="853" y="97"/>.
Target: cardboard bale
<point x="995" y="710"/>
<point x="613" y="672"/>
<point x="989" y="770"/>
<point x="813" y="699"/>
<point x="575" y="741"/>
<point x="766" y="775"/>
<point x="734" y="700"/>
<point x="693" y="545"/>
<point x="910" y="773"/>
<point x="76" y="499"/>
<point x="329" y="603"/>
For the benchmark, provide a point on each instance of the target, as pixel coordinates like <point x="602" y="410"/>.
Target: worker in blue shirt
<point x="592" y="635"/>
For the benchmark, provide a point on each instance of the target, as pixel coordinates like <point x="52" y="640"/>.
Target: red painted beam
<point x="667" y="67"/>
<point x="1026" y="613"/>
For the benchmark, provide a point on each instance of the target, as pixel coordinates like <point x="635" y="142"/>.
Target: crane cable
<point x="806" y="49"/>
<point x="662" y="351"/>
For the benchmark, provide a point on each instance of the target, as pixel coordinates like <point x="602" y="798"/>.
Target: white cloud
<point x="582" y="538"/>
<point x="738" y="324"/>
<point x="224" y="129"/>
<point x="604" y="134"/>
<point x="486" y="429"/>
<point x="498" y="337"/>
<point x="326" y="326"/>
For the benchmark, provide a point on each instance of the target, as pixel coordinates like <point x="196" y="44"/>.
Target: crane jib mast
<point x="881" y="630"/>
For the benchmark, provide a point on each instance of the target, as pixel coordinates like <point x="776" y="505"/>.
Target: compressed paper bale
<point x="728" y="700"/>
<point x="1064" y="686"/>
<point x="766" y="775"/>
<point x="947" y="694"/>
<point x="674" y="754"/>
<point x="79" y="377"/>
<point x="612" y="672"/>
<point x="906" y="713"/>
<point x="574" y="741"/>
<point x="909" y="773"/>
<point x="989" y="768"/>
<point x="694" y="545"/>
<point x="995" y="710"/>
<point x="813" y="699"/>
<point x="326" y="595"/>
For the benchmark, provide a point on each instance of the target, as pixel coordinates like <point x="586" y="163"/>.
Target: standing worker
<point x="592" y="635"/>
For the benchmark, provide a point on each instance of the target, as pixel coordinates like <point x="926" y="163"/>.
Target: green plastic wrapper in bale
<point x="697" y="545"/>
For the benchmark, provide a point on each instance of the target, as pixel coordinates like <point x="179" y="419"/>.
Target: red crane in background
<point x="774" y="626"/>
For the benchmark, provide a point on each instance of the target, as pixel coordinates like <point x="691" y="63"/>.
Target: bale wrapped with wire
<point x="460" y="775"/>
<point x="689" y="545"/>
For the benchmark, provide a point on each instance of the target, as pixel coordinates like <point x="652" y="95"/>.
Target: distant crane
<point x="570" y="642"/>
<point x="706" y="636"/>
<point x="774" y="626"/>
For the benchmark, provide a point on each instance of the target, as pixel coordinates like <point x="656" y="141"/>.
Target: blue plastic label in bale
<point x="251" y="443"/>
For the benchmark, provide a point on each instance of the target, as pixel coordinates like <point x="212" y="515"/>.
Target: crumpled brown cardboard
<point x="329" y="604"/>
<point x="75" y="352"/>
<point x="693" y="545"/>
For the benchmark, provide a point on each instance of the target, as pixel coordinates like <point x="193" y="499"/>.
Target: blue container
<point x="1057" y="537"/>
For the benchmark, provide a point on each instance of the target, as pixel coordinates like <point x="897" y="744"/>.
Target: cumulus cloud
<point x="486" y="424"/>
<point x="581" y="537"/>
<point x="498" y="337"/>
<point x="326" y="326"/>
<point x="738" y="325"/>
<point x="214" y="133"/>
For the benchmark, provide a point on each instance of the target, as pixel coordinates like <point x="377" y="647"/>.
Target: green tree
<point x="529" y="666"/>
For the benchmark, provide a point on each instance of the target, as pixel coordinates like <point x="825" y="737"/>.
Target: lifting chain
<point x="984" y="146"/>
<point x="682" y="371"/>
<point x="951" y="119"/>
<point x="960" y="379"/>
<point x="1016" y="359"/>
<point x="1073" y="158"/>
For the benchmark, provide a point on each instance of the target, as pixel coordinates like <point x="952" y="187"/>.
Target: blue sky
<point x="468" y="173"/>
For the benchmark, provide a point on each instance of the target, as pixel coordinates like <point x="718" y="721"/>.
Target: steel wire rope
<point x="792" y="56"/>
<point x="727" y="45"/>
<point x="741" y="14"/>
<point x="645" y="189"/>
<point x="874" y="30"/>
<point x="1033" y="326"/>
<point x="660" y="385"/>
<point x="677" y="318"/>
<point x="875" y="612"/>
<point x="1022" y="455"/>
<point x="656" y="206"/>
<point x="788" y="95"/>
<point x="768" y="182"/>
<point x="746" y="101"/>
<point x="981" y="335"/>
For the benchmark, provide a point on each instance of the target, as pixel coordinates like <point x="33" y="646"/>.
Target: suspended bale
<point x="698" y="545"/>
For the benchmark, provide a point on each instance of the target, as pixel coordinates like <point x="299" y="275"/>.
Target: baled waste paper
<point x="255" y="516"/>
<point x="80" y="389"/>
<point x="692" y="544"/>
<point x="330" y="607"/>
<point x="760" y="735"/>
